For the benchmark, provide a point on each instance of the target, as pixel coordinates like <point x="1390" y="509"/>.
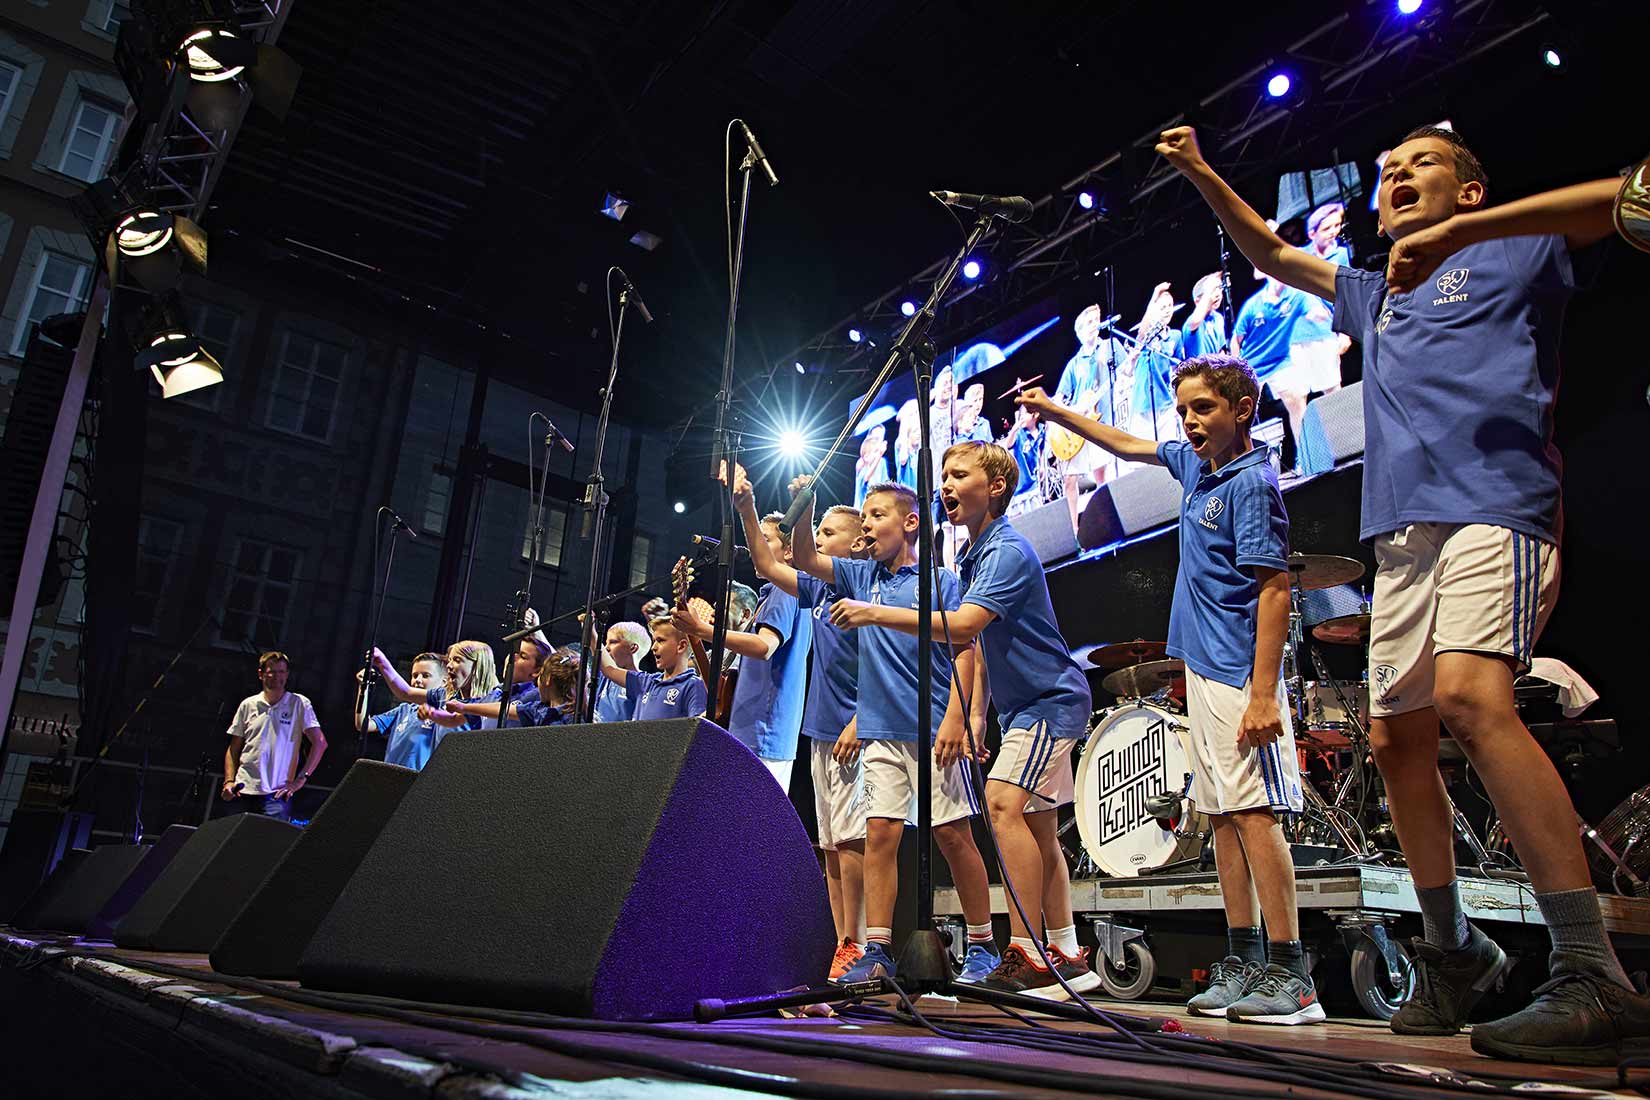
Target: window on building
<point x="11" y="75"/>
<point x="59" y="286"/>
<point x="90" y="141"/>
<point x="262" y="585"/>
<point x="158" y="541"/>
<point x="308" y="376"/>
<point x="641" y="559"/>
<point x="436" y="502"/>
<point x="555" y="530"/>
<point x="215" y="327"/>
<point x="119" y="12"/>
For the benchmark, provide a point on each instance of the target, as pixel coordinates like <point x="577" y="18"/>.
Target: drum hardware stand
<point x="1082" y="865"/>
<point x="1637" y="887"/>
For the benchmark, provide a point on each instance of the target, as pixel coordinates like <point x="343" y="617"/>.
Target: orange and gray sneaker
<point x="1075" y="970"/>
<point x="847" y="954"/>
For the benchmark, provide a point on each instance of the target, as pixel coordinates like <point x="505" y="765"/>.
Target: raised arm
<point x="805" y="557"/>
<point x="758" y="646"/>
<point x="1263" y="248"/>
<point x="1582" y="214"/>
<point x="392" y="679"/>
<point x="767" y="566"/>
<point x="1115" y="440"/>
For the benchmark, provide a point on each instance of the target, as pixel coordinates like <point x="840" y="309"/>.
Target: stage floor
<point x="79" y="1026"/>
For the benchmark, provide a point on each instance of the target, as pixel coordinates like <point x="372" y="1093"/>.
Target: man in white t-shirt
<point x="261" y="768"/>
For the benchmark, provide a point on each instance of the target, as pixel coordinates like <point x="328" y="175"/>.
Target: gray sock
<point x="1443" y="921"/>
<point x="1580" y="944"/>
<point x="1246" y="944"/>
<point x="1290" y="955"/>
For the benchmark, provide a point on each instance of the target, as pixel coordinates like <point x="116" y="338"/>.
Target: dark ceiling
<point x="457" y="153"/>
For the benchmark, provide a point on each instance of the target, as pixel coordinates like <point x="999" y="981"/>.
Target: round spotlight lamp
<point x="143" y="232"/>
<point x="179" y="363"/>
<point x="680" y="507"/>
<point x="1085" y="199"/>
<point x="855" y="336"/>
<point x="908" y="308"/>
<point x="1278" y="85"/>
<point x="1551" y="58"/>
<point x="202" y="65"/>
<point x="792" y="443"/>
<point x="1408" y="7"/>
<point x="971" y="269"/>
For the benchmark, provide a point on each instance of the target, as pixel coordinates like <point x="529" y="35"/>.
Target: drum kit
<point x="1133" y="807"/>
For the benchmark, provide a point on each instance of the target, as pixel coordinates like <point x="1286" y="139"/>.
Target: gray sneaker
<point x="1448" y="984"/>
<point x="1230" y="980"/>
<point x="1278" y="998"/>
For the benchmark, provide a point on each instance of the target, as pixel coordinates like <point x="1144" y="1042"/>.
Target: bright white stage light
<point x="792" y="443"/>
<point x="971" y="269"/>
<point x="680" y="507"/>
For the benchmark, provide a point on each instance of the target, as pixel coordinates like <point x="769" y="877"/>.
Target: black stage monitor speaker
<point x="205" y="885"/>
<point x="1049" y="530"/>
<point x="35" y="841"/>
<point x="618" y="872"/>
<point x="47" y="893"/>
<point x="90" y="887"/>
<point x="276" y="923"/>
<point x="136" y="884"/>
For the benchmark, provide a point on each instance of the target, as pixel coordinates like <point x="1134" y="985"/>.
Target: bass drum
<point x="1134" y="752"/>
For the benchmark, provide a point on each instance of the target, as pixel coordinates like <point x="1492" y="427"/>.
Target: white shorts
<point x="1228" y="776"/>
<point x="891" y="784"/>
<point x="1312" y="366"/>
<point x="1443" y="587"/>
<point x="839" y="796"/>
<point x="1031" y="757"/>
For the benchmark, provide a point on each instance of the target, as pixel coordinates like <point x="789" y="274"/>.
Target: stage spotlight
<point x="800" y="369"/>
<point x="150" y="246"/>
<point x="614" y="206"/>
<point x="1408" y="7"/>
<point x="169" y="351"/>
<point x="1552" y="59"/>
<point x="1085" y="199"/>
<point x="792" y="443"/>
<point x="855" y="336"/>
<point x="1278" y="85"/>
<point x="680" y="507"/>
<point x="908" y="308"/>
<point x="971" y="269"/>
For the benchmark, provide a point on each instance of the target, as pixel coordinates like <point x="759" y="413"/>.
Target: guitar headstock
<point x="681" y="581"/>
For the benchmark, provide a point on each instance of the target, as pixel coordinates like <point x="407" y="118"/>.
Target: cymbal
<point x="1141" y="680"/>
<point x="1124" y="654"/>
<point x="1315" y="571"/>
<point x="1346" y="630"/>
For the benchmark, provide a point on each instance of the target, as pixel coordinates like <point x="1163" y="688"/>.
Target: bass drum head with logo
<point x="1135" y="752"/>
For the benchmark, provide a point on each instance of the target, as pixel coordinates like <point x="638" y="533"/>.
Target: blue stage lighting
<point x="1408" y="7"/>
<point x="1278" y="85"/>
<point x="855" y="336"/>
<point x="971" y="269"/>
<point x="908" y="308"/>
<point x="1085" y="199"/>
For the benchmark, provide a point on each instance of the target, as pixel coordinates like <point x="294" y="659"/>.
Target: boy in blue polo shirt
<point x="766" y="715"/>
<point x="1461" y="499"/>
<point x="624" y="641"/>
<point x="675" y="691"/>
<point x="411" y="739"/>
<point x="839" y="788"/>
<point x="1043" y="707"/>
<point x="884" y="729"/>
<point x="1227" y="622"/>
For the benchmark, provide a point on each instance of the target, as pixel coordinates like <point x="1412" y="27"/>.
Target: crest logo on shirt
<point x="671" y="696"/>
<point x="1385" y="677"/>
<point x="1384" y="320"/>
<point x="1211" y="512"/>
<point x="1450" y="284"/>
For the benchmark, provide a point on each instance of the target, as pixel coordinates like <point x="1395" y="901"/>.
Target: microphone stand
<point x="595" y="519"/>
<point x="1228" y="307"/>
<point x="723" y="448"/>
<point x="369" y="670"/>
<point x="524" y="597"/>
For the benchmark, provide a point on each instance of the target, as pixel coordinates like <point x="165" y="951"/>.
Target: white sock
<point x="1029" y="946"/>
<point x="980" y="933"/>
<point x="884" y="936"/>
<point x="1065" y="939"/>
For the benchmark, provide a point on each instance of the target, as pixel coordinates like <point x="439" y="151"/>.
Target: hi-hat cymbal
<point x="1346" y="630"/>
<point x="1314" y="571"/>
<point x="1124" y="654"/>
<point x="1138" y="681"/>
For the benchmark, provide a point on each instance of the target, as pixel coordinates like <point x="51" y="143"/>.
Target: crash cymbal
<point x="1314" y="571"/>
<point x="1346" y="630"/>
<point x="1138" y="681"/>
<point x="1124" y="654"/>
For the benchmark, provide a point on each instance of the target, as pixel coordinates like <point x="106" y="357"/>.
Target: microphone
<point x="1010" y="208"/>
<point x="397" y="523"/>
<point x="630" y="293"/>
<point x="710" y="543"/>
<point x="756" y="151"/>
<point x="1110" y="321"/>
<point x="555" y="434"/>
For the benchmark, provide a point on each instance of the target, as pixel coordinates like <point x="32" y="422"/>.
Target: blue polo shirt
<point x="612" y="702"/>
<point x="1231" y="520"/>
<point x="1317" y="324"/>
<point x="1027" y="449"/>
<point x="1265" y="329"/>
<point x="833" y="688"/>
<point x="435" y="697"/>
<point x="887" y="658"/>
<point x="768" y="698"/>
<point x="520" y="693"/>
<point x="1460" y="380"/>
<point x="411" y="741"/>
<point x="681" y="696"/>
<point x="1032" y="674"/>
<point x="1153" y="372"/>
<point x="1207" y="338"/>
<point x="537" y="712"/>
